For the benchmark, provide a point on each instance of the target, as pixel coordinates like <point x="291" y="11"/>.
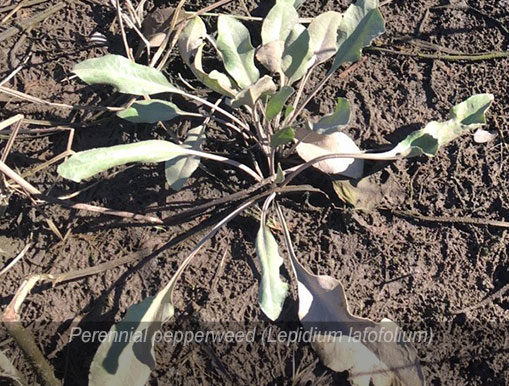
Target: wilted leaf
<point x="150" y="111"/>
<point x="331" y="123"/>
<point x="127" y="77"/>
<point x="368" y="193"/>
<point x="234" y="43"/>
<point x="279" y="22"/>
<point x="323" y="32"/>
<point x="465" y="116"/>
<point x="179" y="169"/>
<point x="191" y="45"/>
<point x="282" y="137"/>
<point x="248" y="97"/>
<point x="270" y="55"/>
<point x="296" y="54"/>
<point x="124" y="361"/>
<point x="277" y="101"/>
<point x="191" y="38"/>
<point x="341" y="341"/>
<point x="88" y="163"/>
<point x="216" y="81"/>
<point x="314" y="145"/>
<point x="362" y="22"/>
<point x="362" y="195"/>
<point x="322" y="303"/>
<point x="273" y="290"/>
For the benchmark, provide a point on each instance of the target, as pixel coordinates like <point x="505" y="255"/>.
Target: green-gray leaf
<point x="465" y="116"/>
<point x="126" y="76"/>
<point x="234" y="43"/>
<point x="122" y="362"/>
<point x="296" y="54"/>
<point x="248" y="97"/>
<point x="277" y="101"/>
<point x="282" y="137"/>
<point x="323" y="32"/>
<point x="88" y="163"/>
<point x="361" y="23"/>
<point x="471" y="111"/>
<point x="273" y="290"/>
<point x="279" y="22"/>
<point x="331" y="123"/>
<point x="179" y="169"/>
<point x="150" y="111"/>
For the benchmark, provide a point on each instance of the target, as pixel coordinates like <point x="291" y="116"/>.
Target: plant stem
<point x="371" y="156"/>
<point x="228" y="161"/>
<point x="24" y="338"/>
<point x="318" y="87"/>
<point x="217" y="108"/>
<point x="171" y="285"/>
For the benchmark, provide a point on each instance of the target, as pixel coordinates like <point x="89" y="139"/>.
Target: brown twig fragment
<point x="93" y="208"/>
<point x="455" y="219"/>
<point x="23" y="26"/>
<point x="498" y="293"/>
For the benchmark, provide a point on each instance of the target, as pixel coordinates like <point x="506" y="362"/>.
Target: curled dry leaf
<point x="368" y="193"/>
<point x="483" y="136"/>
<point x="315" y="145"/>
<point x="157" y="24"/>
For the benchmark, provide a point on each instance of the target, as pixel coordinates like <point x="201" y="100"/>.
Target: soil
<point x="416" y="273"/>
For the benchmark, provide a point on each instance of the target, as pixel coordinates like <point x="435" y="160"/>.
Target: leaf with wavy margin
<point x="264" y="87"/>
<point x="343" y="341"/>
<point x="466" y="116"/>
<point x="191" y="45"/>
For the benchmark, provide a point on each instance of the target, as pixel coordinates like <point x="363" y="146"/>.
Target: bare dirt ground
<point x="417" y="273"/>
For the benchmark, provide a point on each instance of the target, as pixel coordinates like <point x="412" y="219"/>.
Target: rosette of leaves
<point x="265" y="87"/>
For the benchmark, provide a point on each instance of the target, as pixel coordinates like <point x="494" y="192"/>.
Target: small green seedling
<point x="264" y="88"/>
